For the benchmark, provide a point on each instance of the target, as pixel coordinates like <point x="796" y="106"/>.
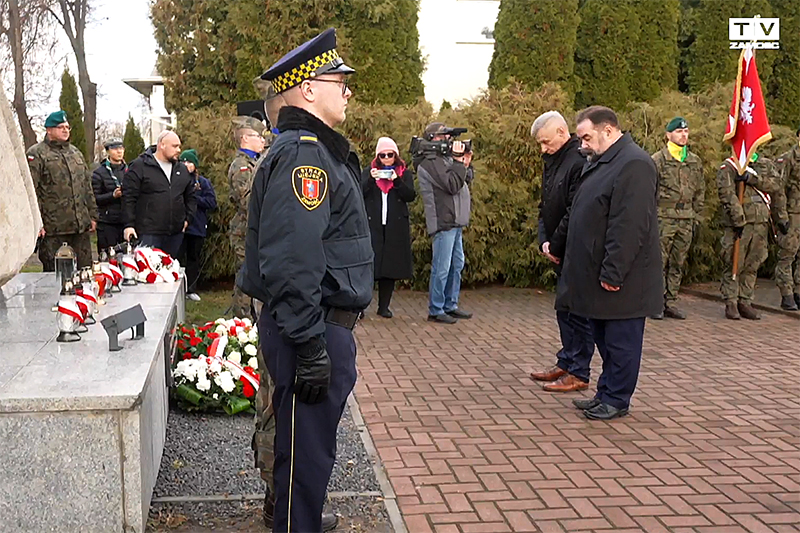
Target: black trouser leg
<point x="385" y="290"/>
<point x="192" y="247"/>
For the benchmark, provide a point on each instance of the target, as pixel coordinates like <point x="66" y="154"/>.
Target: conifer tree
<point x="783" y="100"/>
<point x="70" y="103"/>
<point x="607" y="41"/>
<point x="535" y="43"/>
<point x="132" y="140"/>
<point x="384" y="49"/>
<point x="654" y="66"/>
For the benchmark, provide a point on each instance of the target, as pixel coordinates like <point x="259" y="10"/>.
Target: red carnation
<point x="213" y="335"/>
<point x="151" y="277"/>
<point x="207" y="327"/>
<point x="187" y="355"/>
<point x="247" y="389"/>
<point x="175" y="275"/>
<point x="233" y="331"/>
<point x="181" y="344"/>
<point x="238" y="322"/>
<point x="166" y="260"/>
<point x="141" y="265"/>
<point x="195" y="341"/>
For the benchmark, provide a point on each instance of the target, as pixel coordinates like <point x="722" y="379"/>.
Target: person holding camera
<point x="444" y="178"/>
<point x="388" y="186"/>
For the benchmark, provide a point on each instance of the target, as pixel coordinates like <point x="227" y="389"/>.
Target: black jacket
<point x="391" y="243"/>
<point x="308" y="245"/>
<point x="105" y="179"/>
<point x="613" y="237"/>
<point x="153" y="204"/>
<point x="560" y="182"/>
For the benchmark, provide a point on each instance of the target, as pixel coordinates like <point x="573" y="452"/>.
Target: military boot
<point x="788" y="303"/>
<point x="731" y="312"/>
<point x="329" y="520"/>
<point x="747" y="311"/>
<point x="674" y="312"/>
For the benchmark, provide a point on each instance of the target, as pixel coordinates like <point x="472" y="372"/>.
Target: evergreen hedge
<point x="534" y="42"/>
<point x="132" y="140"/>
<point x="501" y="240"/>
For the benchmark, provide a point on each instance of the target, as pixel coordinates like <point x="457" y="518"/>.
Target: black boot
<point x="385" y="290"/>
<point x="788" y="303"/>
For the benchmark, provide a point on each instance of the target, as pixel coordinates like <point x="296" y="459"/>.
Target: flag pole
<point x="736" y="243"/>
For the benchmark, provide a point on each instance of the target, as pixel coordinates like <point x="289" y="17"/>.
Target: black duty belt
<point x="340" y="317"/>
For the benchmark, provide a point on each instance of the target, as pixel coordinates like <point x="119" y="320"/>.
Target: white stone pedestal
<point x="81" y="428"/>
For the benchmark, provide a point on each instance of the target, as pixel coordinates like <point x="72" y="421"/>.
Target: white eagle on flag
<point x="747" y="106"/>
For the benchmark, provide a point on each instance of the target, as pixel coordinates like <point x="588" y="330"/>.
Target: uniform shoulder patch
<point x="244" y="169"/>
<point x="30" y="157"/>
<point x="310" y="185"/>
<point x="308" y="138"/>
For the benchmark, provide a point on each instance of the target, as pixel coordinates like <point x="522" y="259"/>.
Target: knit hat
<point x="385" y="144"/>
<point x="55" y="119"/>
<point x="190" y="156"/>
<point x="433" y="128"/>
<point x="677" y="123"/>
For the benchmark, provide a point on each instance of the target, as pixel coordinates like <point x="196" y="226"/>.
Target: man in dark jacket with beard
<point x="158" y="201"/>
<point x="563" y="166"/>
<point x="612" y="266"/>
<point x="107" y="186"/>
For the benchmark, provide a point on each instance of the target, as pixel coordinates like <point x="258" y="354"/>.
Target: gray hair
<point x="544" y="119"/>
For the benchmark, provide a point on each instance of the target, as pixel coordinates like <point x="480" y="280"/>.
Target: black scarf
<point x="295" y="118"/>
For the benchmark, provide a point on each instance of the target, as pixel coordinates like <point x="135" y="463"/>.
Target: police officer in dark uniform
<point x="308" y="257"/>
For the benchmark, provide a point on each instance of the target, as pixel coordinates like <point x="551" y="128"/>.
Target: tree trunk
<point x="15" y="41"/>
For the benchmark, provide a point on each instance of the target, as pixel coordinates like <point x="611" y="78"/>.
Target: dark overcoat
<point x="391" y="243"/>
<point x="612" y="236"/>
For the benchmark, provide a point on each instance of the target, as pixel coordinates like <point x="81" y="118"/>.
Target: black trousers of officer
<point x="305" y="435"/>
<point x="620" y="345"/>
<point x="108" y="235"/>
<point x="577" y="343"/>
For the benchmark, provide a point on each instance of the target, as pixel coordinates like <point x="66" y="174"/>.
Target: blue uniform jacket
<point x="308" y="245"/>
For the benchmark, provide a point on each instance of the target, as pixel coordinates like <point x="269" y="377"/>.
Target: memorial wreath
<point x="217" y="368"/>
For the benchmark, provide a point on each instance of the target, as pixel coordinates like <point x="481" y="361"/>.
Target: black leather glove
<point x="783" y="226"/>
<point x="313" y="374"/>
<point x="737" y="232"/>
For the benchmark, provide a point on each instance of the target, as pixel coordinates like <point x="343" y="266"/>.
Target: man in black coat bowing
<point x="612" y="264"/>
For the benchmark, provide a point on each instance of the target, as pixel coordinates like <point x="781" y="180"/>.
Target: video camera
<point x="420" y="145"/>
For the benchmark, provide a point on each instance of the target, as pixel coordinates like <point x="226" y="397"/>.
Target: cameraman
<point x="444" y="184"/>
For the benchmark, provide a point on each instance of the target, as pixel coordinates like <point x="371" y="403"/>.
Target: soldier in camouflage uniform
<point x="789" y="240"/>
<point x="681" y="194"/>
<point x="248" y="133"/>
<point x="748" y="221"/>
<point x="63" y="185"/>
<point x="263" y="443"/>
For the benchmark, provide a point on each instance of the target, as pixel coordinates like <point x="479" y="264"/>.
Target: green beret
<point x="190" y="156"/>
<point x="250" y="123"/>
<point x="55" y="119"/>
<point x="677" y="123"/>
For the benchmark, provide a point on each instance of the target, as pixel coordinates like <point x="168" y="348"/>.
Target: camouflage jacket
<point x="681" y="187"/>
<point x="789" y="164"/>
<point x="240" y="178"/>
<point x="763" y="177"/>
<point x="63" y="187"/>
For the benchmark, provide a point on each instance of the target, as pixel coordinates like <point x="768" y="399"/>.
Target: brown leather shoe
<point x="731" y="312"/>
<point x="567" y="383"/>
<point x="551" y="374"/>
<point x="747" y="311"/>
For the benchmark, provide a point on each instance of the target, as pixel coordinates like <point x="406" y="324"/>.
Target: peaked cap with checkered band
<point x="310" y="59"/>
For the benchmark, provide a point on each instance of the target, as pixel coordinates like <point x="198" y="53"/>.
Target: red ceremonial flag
<point x="748" y="127"/>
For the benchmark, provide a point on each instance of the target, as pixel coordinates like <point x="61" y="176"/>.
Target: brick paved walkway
<point x="471" y="444"/>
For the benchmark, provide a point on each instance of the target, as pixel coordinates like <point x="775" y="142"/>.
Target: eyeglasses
<point x="344" y="83"/>
<point x="386" y="156"/>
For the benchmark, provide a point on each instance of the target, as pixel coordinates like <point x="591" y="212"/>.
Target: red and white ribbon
<point x="215" y="353"/>
<point x="71" y="309"/>
<point x="83" y="305"/>
<point x="130" y="262"/>
<point x="116" y="272"/>
<point x="89" y="295"/>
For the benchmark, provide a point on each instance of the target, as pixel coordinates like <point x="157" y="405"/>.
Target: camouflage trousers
<point x="240" y="302"/>
<point x="676" y="239"/>
<point x="753" y="250"/>
<point x="264" y="436"/>
<point x="789" y="258"/>
<point x="80" y="242"/>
